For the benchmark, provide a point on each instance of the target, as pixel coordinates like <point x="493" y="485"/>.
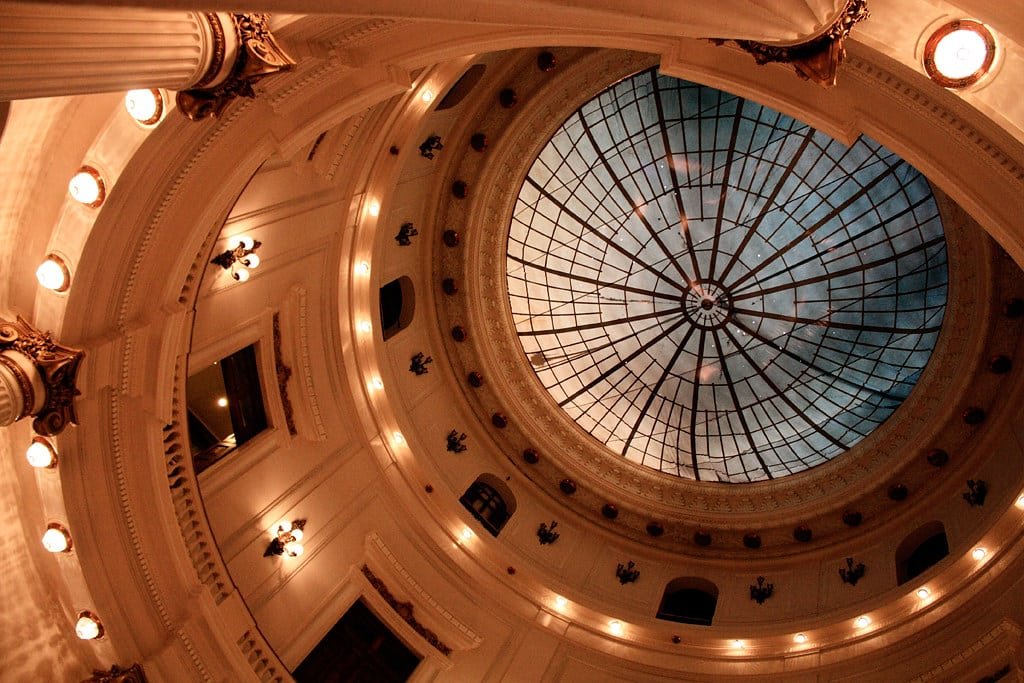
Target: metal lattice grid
<point x="718" y="291"/>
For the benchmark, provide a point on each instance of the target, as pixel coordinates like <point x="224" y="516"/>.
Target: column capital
<point x="257" y="56"/>
<point x="57" y="368"/>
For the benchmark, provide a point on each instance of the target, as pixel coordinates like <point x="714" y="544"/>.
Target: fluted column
<point x="21" y="388"/>
<point x="48" y="50"/>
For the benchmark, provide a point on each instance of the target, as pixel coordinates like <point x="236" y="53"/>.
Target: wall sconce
<point x="546" y="534"/>
<point x="762" y="591"/>
<point x="852" y="574"/>
<point x="41" y="454"/>
<point x="286" y="541"/>
<point x="627" y="573"/>
<point x="242" y="255"/>
<point x="56" y="539"/>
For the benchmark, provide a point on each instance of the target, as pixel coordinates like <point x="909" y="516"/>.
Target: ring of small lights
<point x="929" y="417"/>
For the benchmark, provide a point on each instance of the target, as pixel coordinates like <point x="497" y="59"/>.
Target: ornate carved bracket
<point x="57" y="366"/>
<point x="817" y="59"/>
<point x="405" y="610"/>
<point x="259" y="56"/>
<point x="133" y="674"/>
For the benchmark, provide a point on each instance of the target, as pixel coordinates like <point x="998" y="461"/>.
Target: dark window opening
<point x="920" y="551"/>
<point x="490" y="501"/>
<point x="358" y="649"/>
<point x="689" y="600"/>
<point x="397" y="303"/>
<point x="225" y="407"/>
<point x="462" y="87"/>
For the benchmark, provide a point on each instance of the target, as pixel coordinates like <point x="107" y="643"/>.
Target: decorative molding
<point x="259" y="56"/>
<point x="1002" y="642"/>
<point x="405" y="610"/>
<point x="57" y="366"/>
<point x="217" y="53"/>
<point x="817" y="59"/>
<point x="307" y="366"/>
<point x="283" y="373"/>
<point x="261" y="657"/>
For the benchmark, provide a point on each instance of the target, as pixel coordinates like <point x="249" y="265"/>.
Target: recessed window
<point x="225" y="407"/>
<point x="397" y="303"/>
<point x="959" y="54"/>
<point x="462" y="87"/>
<point x="490" y="501"/>
<point x="920" y="551"/>
<point x="689" y="600"/>
<point x="358" y="648"/>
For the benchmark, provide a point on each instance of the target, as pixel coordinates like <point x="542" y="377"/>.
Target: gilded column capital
<point x="817" y="59"/>
<point x="56" y="366"/>
<point x="258" y="56"/>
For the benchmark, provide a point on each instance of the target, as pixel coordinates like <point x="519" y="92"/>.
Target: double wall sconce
<point x="240" y="259"/>
<point x="286" y="539"/>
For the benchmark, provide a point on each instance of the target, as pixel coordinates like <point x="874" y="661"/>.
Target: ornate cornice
<point x="405" y="610"/>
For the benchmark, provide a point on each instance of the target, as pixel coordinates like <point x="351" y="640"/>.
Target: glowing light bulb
<point x="398" y="438"/>
<point x="615" y="627"/>
<point x="1020" y="501"/>
<point x="979" y="553"/>
<point x="294" y="549"/>
<point x="86" y="187"/>
<point x="373" y="209"/>
<point x="467" y="533"/>
<point x="378" y="383"/>
<point x="738" y="644"/>
<point x="427" y="95"/>
<point x="40" y="454"/>
<point x="145" y="105"/>
<point x="53" y="274"/>
<point x="365" y="326"/>
<point x="246" y="241"/>
<point x="56" y="539"/>
<point x="800" y="638"/>
<point x="363" y="268"/>
<point x="88" y="627"/>
<point x="251" y="260"/>
<point x="297" y="534"/>
<point x="861" y="621"/>
<point x="923" y="593"/>
<point x="241" y="274"/>
<point x="560" y="602"/>
<point x="222" y="402"/>
<point x="960" y="53"/>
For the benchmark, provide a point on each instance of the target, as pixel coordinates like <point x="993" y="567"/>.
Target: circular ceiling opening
<point x="716" y="290"/>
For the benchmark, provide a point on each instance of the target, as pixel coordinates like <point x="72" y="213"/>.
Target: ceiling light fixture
<point x="239" y="259"/>
<point x="145" y="105"/>
<point x="979" y="554"/>
<point x="738" y="644"/>
<point x="427" y="95"/>
<point x="53" y="274"/>
<point x="363" y="267"/>
<point x="1020" y="501"/>
<point x="800" y="638"/>
<point x="41" y="454"/>
<point x="615" y="627"/>
<point x="467" y="533"/>
<point x="862" y="621"/>
<point x="959" y="53"/>
<point x="398" y="438"/>
<point x="923" y="593"/>
<point x="560" y="602"/>
<point x="286" y="539"/>
<point x="88" y="626"/>
<point x="373" y="209"/>
<point x="56" y="538"/>
<point x="87" y="187"/>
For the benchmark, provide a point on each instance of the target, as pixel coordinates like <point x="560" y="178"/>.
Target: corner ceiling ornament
<point x="817" y="59"/>
<point x="405" y="611"/>
<point x="259" y="56"/>
<point x="36" y="362"/>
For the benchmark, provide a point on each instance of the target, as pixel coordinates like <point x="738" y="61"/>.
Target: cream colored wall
<point x="129" y="309"/>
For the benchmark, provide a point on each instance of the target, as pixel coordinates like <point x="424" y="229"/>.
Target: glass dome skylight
<point x="718" y="291"/>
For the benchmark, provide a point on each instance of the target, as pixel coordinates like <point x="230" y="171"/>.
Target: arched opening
<point x="920" y="551"/>
<point x="689" y="600"/>
<point x="462" y="87"/>
<point x="490" y="501"/>
<point x="397" y="304"/>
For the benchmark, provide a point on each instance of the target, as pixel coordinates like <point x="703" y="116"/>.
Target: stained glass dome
<point x="718" y="291"/>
